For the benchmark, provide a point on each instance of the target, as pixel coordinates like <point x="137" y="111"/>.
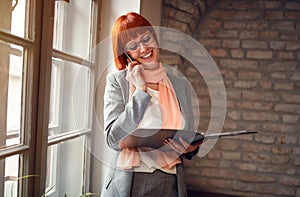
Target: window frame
<point x="38" y="52"/>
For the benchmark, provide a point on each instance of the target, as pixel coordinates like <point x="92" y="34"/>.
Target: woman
<point x="142" y="94"/>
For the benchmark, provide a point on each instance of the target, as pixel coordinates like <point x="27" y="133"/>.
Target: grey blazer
<point x="122" y="116"/>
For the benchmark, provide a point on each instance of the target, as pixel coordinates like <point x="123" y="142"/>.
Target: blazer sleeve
<point x="121" y="117"/>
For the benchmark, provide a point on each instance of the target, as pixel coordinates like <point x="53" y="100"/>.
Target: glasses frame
<point x="144" y="41"/>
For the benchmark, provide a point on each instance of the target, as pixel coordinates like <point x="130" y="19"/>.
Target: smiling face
<point x="144" y="49"/>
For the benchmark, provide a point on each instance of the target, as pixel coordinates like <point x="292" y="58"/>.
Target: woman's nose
<point x="142" y="48"/>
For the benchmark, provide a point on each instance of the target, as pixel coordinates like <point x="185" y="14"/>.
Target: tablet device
<point x="155" y="137"/>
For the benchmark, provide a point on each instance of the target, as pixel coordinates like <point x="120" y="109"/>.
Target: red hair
<point x="126" y="28"/>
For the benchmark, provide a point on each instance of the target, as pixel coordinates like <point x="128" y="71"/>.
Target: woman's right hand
<point x="135" y="75"/>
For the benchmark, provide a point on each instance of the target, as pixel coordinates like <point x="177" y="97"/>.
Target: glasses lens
<point x="132" y="46"/>
<point x="146" y="40"/>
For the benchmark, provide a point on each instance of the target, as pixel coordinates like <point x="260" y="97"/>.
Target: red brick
<point x="293" y="46"/>
<point x="292" y="5"/>
<point x="223" y="15"/>
<point x="245" y="166"/>
<point x="236" y="53"/>
<point x="211" y="24"/>
<point x="273" y="15"/>
<point x="283" y="86"/>
<point x="208" y="33"/>
<point x="253" y="105"/>
<point x="250" y="44"/>
<point x="277" y="45"/>
<point x="234" y="25"/>
<point x="292" y="108"/>
<point x="214" y="154"/>
<point x="269" y="35"/>
<point x="248" y="15"/>
<point x="286" y="55"/>
<point x="293" y="15"/>
<point x="289" y="36"/>
<point x="227" y="34"/>
<point x="260" y="116"/>
<point x="265" y="139"/>
<point x="219" y="183"/>
<point x="177" y="25"/>
<point x="218" y="173"/>
<point x="249" y="75"/>
<point x="249" y="34"/>
<point x="240" y="5"/>
<point x="260" y="96"/>
<point x="278" y="75"/>
<point x="275" y="127"/>
<point x="280" y="66"/>
<point x="265" y="84"/>
<point x="269" y="4"/>
<point x="243" y="186"/>
<point x="257" y="25"/>
<point x="218" y="52"/>
<point x="170" y="12"/>
<point x="183" y="17"/>
<point x="257" y="157"/>
<point x="228" y="74"/>
<point x="210" y="42"/>
<point x="231" y="155"/>
<point x="231" y="43"/>
<point x="296" y="76"/>
<point x="290" y="118"/>
<point x="259" y="54"/>
<point x="291" y="98"/>
<point x="284" y="25"/>
<point x="186" y="6"/>
<point x="287" y="139"/>
<point x="280" y="159"/>
<point x="289" y="181"/>
<point x="256" y="147"/>
<point x="239" y="64"/>
<point x="244" y="84"/>
<point x="227" y="144"/>
<point x="256" y="178"/>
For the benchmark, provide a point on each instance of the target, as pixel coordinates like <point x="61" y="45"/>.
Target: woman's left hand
<point x="183" y="146"/>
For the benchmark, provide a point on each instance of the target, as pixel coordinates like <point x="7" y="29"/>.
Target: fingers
<point x="175" y="146"/>
<point x="132" y="64"/>
<point x="135" y="75"/>
<point x="182" y="147"/>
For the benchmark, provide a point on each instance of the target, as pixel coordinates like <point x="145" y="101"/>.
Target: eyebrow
<point x="143" y="35"/>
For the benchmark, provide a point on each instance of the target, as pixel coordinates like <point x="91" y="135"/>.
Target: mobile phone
<point x="130" y="59"/>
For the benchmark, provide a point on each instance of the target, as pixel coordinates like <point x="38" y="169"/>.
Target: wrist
<point x="143" y="87"/>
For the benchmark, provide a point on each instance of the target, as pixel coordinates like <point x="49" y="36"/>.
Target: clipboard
<point x="155" y="137"/>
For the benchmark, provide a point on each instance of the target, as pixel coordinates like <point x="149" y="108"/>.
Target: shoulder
<point x="117" y="74"/>
<point x="116" y="77"/>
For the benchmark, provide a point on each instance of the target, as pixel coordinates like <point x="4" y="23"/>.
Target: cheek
<point x="134" y="55"/>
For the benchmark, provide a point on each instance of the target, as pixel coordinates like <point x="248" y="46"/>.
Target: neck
<point x="151" y="65"/>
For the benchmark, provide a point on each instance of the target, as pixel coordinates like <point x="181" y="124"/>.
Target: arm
<point x="121" y="118"/>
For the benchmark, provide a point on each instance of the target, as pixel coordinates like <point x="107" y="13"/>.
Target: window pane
<point x="69" y="100"/>
<point x="14" y="14"/>
<point x="11" y="75"/>
<point x="69" y="36"/>
<point x="65" y="168"/>
<point x="11" y="173"/>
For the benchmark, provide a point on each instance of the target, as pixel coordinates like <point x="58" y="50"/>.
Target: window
<point x="46" y="90"/>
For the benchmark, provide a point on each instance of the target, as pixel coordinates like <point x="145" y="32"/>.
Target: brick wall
<point x="256" y="45"/>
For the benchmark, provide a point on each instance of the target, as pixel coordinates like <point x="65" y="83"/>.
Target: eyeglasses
<point x="146" y="40"/>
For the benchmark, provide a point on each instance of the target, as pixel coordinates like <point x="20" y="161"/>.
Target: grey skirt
<point x="158" y="184"/>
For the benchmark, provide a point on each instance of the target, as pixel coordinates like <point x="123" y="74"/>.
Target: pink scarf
<point x="172" y="119"/>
